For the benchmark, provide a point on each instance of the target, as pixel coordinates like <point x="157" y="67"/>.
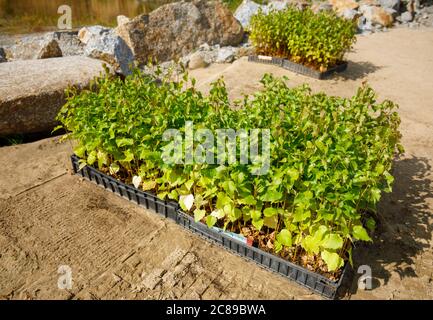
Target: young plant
<point x="330" y="158"/>
<point x="318" y="40"/>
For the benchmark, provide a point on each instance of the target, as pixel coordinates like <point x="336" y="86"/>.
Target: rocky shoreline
<point x="198" y="33"/>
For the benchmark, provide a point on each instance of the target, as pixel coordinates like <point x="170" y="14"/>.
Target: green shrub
<point x="317" y="40"/>
<point x="330" y="158"/>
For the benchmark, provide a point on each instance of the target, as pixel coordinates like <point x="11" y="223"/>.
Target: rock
<point x="32" y="91"/>
<point x="350" y="14"/>
<point x="392" y="12"/>
<point x="175" y="29"/>
<point x="3" y="55"/>
<point x="341" y="5"/>
<point x="50" y="49"/>
<point x="197" y="60"/>
<point x="367" y="11"/>
<point x="134" y="33"/>
<point x="86" y="33"/>
<point x="69" y="43"/>
<point x="368" y="2"/>
<point x="226" y="55"/>
<point x="321" y="6"/>
<point x="406" y="16"/>
<point x="48" y="45"/>
<point x="276" y="5"/>
<point x="248" y="8"/>
<point x="205" y="47"/>
<point x="382" y="17"/>
<point x="413" y="6"/>
<point x="122" y="20"/>
<point x="104" y="44"/>
<point x="245" y="11"/>
<point x="245" y="50"/>
<point x="364" y="25"/>
<point x="300" y="4"/>
<point x="377" y="15"/>
<point x="390" y="4"/>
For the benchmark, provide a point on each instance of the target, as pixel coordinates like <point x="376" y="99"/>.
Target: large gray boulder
<point x="36" y="47"/>
<point x="176" y="29"/>
<point x="42" y="46"/>
<point x="246" y="10"/>
<point x="32" y="91"/>
<point x="50" y="49"/>
<point x="104" y="44"/>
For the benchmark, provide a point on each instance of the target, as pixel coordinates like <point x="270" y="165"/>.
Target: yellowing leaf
<point x="136" y="181"/>
<point x="186" y="202"/>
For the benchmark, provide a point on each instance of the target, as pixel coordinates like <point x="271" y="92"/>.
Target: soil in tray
<point x="263" y="239"/>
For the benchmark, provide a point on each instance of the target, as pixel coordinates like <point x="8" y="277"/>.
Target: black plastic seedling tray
<point x="311" y="280"/>
<point x="169" y="209"/>
<point x="296" y="67"/>
<point x="145" y="199"/>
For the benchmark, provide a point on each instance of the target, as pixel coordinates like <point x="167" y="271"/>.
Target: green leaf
<point x="272" y="196"/>
<point x="277" y="246"/>
<point x="162" y="195"/>
<point x="269" y="212"/>
<point x="270" y="222"/>
<point x="199" y="214"/>
<point x="312" y="243"/>
<point x="370" y="224"/>
<point x="229" y="187"/>
<point x="375" y="195"/>
<point x="258" y="224"/>
<point x="360" y="233"/>
<point x="189" y="184"/>
<point x="285" y="238"/>
<point x="248" y="200"/>
<point x="380" y="168"/>
<point x="91" y="159"/>
<point x="293" y="174"/>
<point x="114" y="168"/>
<point x="129" y="156"/>
<point x="80" y="151"/>
<point x="332" y="241"/>
<point x="332" y="260"/>
<point x="301" y="215"/>
<point x="210" y="221"/>
<point x="256" y="215"/>
<point x="122" y="142"/>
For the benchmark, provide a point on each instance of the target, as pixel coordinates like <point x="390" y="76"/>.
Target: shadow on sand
<point x="403" y="229"/>
<point x="356" y="70"/>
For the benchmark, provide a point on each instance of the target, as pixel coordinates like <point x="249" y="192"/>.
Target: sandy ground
<point x="49" y="217"/>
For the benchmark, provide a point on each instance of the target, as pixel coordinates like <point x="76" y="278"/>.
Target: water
<point x="26" y="16"/>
